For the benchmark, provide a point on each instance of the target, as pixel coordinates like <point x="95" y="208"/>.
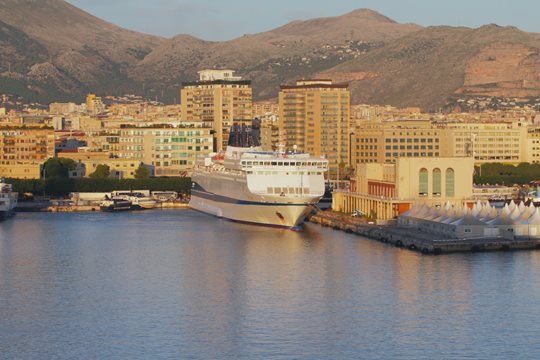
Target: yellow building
<point x="25" y="147"/>
<point x="384" y="191"/>
<point x="314" y="115"/>
<point x="265" y="108"/>
<point x="270" y="136"/>
<point x="94" y="105"/>
<point x="22" y="170"/>
<point x="119" y="168"/>
<point x="218" y="99"/>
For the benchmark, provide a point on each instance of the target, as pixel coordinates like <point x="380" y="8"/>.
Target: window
<point x="450" y="183"/>
<point x="423" y="182"/>
<point x="437" y="183"/>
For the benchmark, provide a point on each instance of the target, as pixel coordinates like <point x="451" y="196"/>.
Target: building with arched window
<point x="386" y="190"/>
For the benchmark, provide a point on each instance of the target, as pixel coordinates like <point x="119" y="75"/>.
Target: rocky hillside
<point x="51" y="50"/>
<point x="430" y="66"/>
<point x="300" y="48"/>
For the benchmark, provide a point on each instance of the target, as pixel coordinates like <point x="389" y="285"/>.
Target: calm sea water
<point x="182" y="285"/>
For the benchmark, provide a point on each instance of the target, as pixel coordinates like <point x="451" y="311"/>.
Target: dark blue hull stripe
<point x="228" y="200"/>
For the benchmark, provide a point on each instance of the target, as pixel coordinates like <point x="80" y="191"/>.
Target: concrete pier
<point x="413" y="239"/>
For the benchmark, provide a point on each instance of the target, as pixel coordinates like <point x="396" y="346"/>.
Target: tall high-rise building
<point x="218" y="99"/>
<point x="314" y="115"/>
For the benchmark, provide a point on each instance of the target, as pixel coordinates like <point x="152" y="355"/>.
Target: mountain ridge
<point x="52" y="51"/>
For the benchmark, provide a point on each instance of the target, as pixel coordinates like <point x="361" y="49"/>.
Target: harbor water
<point x="178" y="284"/>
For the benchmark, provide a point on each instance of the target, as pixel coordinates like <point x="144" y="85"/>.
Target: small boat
<point x="113" y="205"/>
<point x="138" y="200"/>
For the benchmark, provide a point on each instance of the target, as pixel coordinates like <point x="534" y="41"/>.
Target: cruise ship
<point x="8" y="200"/>
<point x="249" y="185"/>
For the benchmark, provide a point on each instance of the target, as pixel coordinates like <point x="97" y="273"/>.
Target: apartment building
<point x="23" y="149"/>
<point x="386" y="141"/>
<point x="94" y="105"/>
<point x="532" y="146"/>
<point x="270" y="135"/>
<point x="217" y="100"/>
<point x="314" y="115"/>
<point x="171" y="151"/>
<point x="263" y="109"/>
<point x="488" y="142"/>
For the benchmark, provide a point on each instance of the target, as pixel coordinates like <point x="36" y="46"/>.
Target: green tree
<point x="142" y="172"/>
<point x="101" y="172"/>
<point x="58" y="167"/>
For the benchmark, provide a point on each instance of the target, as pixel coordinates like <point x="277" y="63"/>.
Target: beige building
<point x="532" y="145"/>
<point x="171" y="151"/>
<point x="489" y="142"/>
<point x="386" y="141"/>
<point x="314" y="115"/>
<point x="218" y="99"/>
<point x="384" y="191"/>
<point x="23" y="149"/>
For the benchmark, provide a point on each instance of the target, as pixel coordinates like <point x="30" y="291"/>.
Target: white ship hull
<point x="259" y="188"/>
<point x="281" y="215"/>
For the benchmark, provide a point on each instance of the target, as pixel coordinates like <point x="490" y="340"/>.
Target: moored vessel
<point x="138" y="200"/>
<point x="113" y="205"/>
<point x="254" y="186"/>
<point x="8" y="200"/>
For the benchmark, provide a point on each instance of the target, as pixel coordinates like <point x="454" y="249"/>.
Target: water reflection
<point x="179" y="284"/>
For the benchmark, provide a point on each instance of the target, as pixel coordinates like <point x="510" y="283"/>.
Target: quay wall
<point x="50" y="207"/>
<point x="423" y="242"/>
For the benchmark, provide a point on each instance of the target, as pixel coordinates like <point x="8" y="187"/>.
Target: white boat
<point x="8" y="200"/>
<point x="138" y="200"/>
<point x="253" y="186"/>
<point x="113" y="205"/>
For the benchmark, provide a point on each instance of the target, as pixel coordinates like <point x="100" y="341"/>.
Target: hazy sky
<point x="227" y="19"/>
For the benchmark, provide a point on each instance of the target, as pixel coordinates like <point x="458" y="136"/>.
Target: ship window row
<point x="281" y="163"/>
<point x="287" y="190"/>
